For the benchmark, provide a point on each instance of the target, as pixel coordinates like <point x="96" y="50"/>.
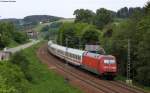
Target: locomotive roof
<point x="94" y="55"/>
<point x="69" y="50"/>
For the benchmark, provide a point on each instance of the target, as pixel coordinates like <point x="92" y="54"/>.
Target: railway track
<point x="102" y="86"/>
<point x="131" y="88"/>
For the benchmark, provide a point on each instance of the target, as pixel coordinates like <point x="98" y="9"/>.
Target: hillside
<point x="32" y="19"/>
<point x="40" y="18"/>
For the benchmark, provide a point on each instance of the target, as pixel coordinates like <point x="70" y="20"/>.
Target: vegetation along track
<point x="95" y="83"/>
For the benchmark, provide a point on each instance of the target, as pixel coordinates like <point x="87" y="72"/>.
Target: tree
<point x="6" y="30"/>
<point x="147" y="7"/>
<point x="123" y="12"/>
<point x="85" y="16"/>
<point x="102" y="18"/>
<point x="67" y="32"/>
<point x="90" y="36"/>
<point x="20" y="37"/>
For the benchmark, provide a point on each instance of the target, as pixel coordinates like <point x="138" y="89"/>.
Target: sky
<point x="61" y="8"/>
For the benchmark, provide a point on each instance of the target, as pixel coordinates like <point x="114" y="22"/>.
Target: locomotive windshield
<point x="98" y="52"/>
<point x="109" y="61"/>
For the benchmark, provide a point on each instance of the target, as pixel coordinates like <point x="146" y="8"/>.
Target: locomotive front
<point x="108" y="65"/>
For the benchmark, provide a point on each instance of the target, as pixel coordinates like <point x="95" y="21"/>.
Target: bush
<point x="22" y="61"/>
<point x="20" y="37"/>
<point x="12" y="80"/>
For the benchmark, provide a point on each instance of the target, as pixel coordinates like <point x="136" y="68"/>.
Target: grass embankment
<point x="44" y="80"/>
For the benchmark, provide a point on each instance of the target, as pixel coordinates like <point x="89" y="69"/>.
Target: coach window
<point x="75" y="56"/>
<point x="71" y="55"/>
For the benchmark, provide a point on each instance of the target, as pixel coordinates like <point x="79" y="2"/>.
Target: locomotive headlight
<point x="106" y="61"/>
<point x="112" y="61"/>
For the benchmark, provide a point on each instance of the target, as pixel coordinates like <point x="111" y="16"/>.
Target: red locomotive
<point x="104" y="65"/>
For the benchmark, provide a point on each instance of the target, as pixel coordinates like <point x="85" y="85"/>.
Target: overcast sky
<point x="62" y="8"/>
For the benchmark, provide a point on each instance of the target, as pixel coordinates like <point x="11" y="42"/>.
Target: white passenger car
<point x="73" y="56"/>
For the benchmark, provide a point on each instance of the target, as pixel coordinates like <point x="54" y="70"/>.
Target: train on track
<point x="103" y="65"/>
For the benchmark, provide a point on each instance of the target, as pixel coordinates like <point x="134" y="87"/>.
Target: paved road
<point x="18" y="48"/>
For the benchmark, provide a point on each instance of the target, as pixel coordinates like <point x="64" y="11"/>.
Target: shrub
<point x="12" y="80"/>
<point x="22" y="61"/>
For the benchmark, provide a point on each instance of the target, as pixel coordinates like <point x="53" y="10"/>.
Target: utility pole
<point x="129" y="81"/>
<point x="66" y="50"/>
<point x="66" y="78"/>
<point x="79" y="41"/>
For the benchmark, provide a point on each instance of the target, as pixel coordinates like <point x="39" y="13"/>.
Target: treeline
<point x="104" y="16"/>
<point x="103" y="27"/>
<point x="9" y="35"/>
<point x="127" y="12"/>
